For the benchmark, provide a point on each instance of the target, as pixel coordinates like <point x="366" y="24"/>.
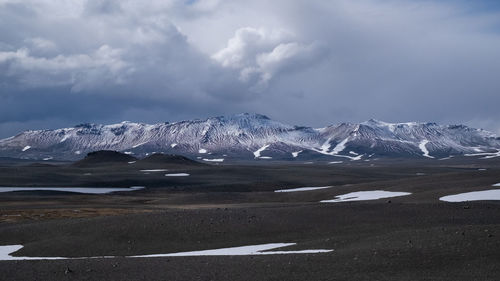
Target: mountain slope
<point x="254" y="136"/>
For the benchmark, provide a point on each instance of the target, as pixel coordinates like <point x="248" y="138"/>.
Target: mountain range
<point x="256" y="137"/>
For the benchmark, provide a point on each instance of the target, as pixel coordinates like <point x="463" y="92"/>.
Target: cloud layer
<point x="306" y="62"/>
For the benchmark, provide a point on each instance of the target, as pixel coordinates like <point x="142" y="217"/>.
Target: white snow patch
<point x="482" y="169"/>
<point x="353" y="153"/>
<point x="154" y="170"/>
<point x="424" y="149"/>
<point x="78" y="152"/>
<point x="86" y="190"/>
<point x="340" y="146"/>
<point x="173" y="145"/>
<point x="66" y="136"/>
<point x="496" y="184"/>
<point x="335" y="162"/>
<point x="365" y="195"/>
<point x="240" y="251"/>
<point x="336" y="150"/>
<point x="128" y="152"/>
<point x="177" y="175"/>
<point x="302" y="189"/>
<point x="214" y="160"/>
<point x="446" y="158"/>
<point x="48" y="158"/>
<point x="137" y="145"/>
<point x="265" y="157"/>
<point x="258" y="151"/>
<point x="492" y="194"/>
<point x="296" y="153"/>
<point x="131" y="162"/>
<point x="26" y="148"/>
<point x="487" y="155"/>
<point x="202" y="151"/>
<point x="7" y="251"/>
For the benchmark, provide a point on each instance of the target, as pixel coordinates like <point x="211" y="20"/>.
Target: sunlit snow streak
<point x="26" y="148"/>
<point x="423" y="148"/>
<point x="258" y="151"/>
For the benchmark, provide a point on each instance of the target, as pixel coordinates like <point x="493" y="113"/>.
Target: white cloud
<point x="260" y="54"/>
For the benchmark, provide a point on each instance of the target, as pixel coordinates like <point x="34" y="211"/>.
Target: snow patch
<point x="26" y="148"/>
<point x="173" y="145"/>
<point x="296" y="153"/>
<point x="214" y="160"/>
<point x="78" y="152"/>
<point x="131" y="162"/>
<point x="484" y="195"/>
<point x="335" y="162"/>
<point x="262" y="249"/>
<point x="154" y="170"/>
<point x="340" y="146"/>
<point x="303" y="189"/>
<point x="65" y="137"/>
<point x="48" y="158"/>
<point x="365" y="195"/>
<point x="137" y="145"/>
<point x="177" y="175"/>
<point x="86" y="190"/>
<point x="202" y="151"/>
<point x="423" y="148"/>
<point x="258" y="151"/>
<point x="240" y="251"/>
<point x="487" y="155"/>
<point x="446" y="158"/>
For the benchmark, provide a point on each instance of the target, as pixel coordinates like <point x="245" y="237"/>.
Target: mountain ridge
<point x="255" y="136"/>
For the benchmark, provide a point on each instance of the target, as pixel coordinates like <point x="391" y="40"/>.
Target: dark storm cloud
<point x="305" y="62"/>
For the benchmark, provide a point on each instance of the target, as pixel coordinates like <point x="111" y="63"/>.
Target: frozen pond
<point x="6" y="251"/>
<point x="365" y="195"/>
<point x="86" y="190"/>
<point x="302" y="189"/>
<point x="491" y="194"/>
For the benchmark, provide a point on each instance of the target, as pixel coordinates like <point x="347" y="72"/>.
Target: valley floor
<point x="409" y="237"/>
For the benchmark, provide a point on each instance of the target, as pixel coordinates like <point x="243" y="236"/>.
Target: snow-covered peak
<point x="243" y="135"/>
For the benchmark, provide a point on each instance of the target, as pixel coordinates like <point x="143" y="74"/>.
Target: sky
<point x="301" y="62"/>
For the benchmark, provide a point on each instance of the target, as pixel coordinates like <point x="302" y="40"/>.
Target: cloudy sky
<point x="305" y="62"/>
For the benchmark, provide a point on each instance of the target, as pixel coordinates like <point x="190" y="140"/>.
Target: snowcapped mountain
<point x="254" y="136"/>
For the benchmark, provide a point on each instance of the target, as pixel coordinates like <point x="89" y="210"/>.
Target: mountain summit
<point x="256" y="137"/>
